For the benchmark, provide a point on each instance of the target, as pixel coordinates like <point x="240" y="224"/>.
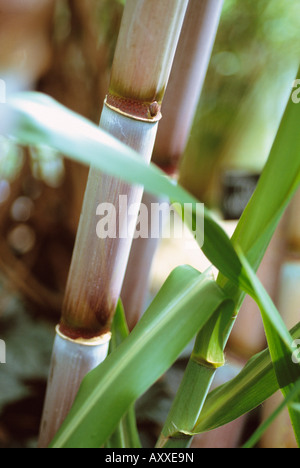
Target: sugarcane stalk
<point x="186" y="82"/>
<point x="179" y="107"/>
<point x="137" y="278"/>
<point x="71" y="361"/>
<point x="143" y="58"/>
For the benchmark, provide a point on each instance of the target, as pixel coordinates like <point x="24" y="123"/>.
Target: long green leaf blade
<point x="282" y="171"/>
<point x="279" y="339"/>
<point x="252" y="242"/>
<point x="256" y="436"/>
<point x="252" y="236"/>
<point x="252" y="386"/>
<point x="126" y="435"/>
<point x="40" y="120"/>
<point x="280" y="344"/>
<point x="266" y="207"/>
<point x="184" y="304"/>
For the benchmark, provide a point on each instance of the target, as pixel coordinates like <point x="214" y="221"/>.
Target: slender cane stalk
<point x="137" y="278"/>
<point x="180" y="103"/>
<point x="186" y="82"/>
<point x="143" y="59"/>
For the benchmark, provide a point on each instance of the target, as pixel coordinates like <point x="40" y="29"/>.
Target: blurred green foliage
<point x="254" y="62"/>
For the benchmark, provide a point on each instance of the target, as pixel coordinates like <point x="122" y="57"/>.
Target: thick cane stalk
<point x="180" y="103"/>
<point x="143" y="58"/>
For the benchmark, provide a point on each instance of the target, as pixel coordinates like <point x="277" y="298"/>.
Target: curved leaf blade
<point x="184" y="304"/>
<point x="256" y="436"/>
<point x="126" y="435"/>
<point x="40" y="120"/>
<point x="251" y="387"/>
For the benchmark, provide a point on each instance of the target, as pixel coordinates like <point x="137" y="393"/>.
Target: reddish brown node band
<point x="134" y="108"/>
<point x="169" y="167"/>
<point x="80" y="333"/>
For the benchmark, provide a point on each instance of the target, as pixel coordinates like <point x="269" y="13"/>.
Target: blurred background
<point x="64" y="48"/>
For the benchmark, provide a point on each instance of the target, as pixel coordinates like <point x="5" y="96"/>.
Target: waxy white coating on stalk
<point x="71" y="361"/>
<point x="98" y="265"/>
<point x="143" y="59"/>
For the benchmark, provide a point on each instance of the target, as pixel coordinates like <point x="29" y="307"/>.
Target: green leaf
<point x="252" y="237"/>
<point x="267" y="205"/>
<point x="251" y="387"/>
<point x="206" y="357"/>
<point x="119" y="328"/>
<point x="40" y="120"/>
<point x="282" y="171"/>
<point x="184" y="304"/>
<point x="256" y="436"/>
<point x="280" y="344"/>
<point x="126" y="434"/>
<point x="279" y="339"/>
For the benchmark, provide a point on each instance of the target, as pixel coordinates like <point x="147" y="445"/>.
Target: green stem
<point x="187" y="406"/>
<point x="206" y="358"/>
